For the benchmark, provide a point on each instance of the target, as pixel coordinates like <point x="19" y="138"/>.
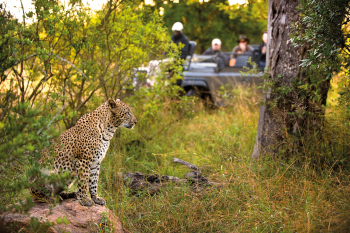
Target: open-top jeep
<point x="203" y="77"/>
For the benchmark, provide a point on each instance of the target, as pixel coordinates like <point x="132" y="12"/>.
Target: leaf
<point x="30" y="14"/>
<point x="65" y="220"/>
<point x="59" y="221"/>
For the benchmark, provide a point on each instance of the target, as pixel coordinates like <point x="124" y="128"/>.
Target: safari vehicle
<point x="203" y="78"/>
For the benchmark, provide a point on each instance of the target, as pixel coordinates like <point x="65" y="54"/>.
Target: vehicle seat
<point x="227" y="60"/>
<point x="191" y="46"/>
<point x="242" y="60"/>
<point x="256" y="56"/>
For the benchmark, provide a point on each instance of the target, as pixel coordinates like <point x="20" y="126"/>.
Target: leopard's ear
<point x="112" y="103"/>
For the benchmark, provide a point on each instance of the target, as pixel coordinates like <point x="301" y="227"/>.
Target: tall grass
<point x="264" y="196"/>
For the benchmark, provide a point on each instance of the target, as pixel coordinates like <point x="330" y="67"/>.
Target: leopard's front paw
<point x="99" y="200"/>
<point x="85" y="201"/>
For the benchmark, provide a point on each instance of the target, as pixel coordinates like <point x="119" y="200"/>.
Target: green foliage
<point x="20" y="147"/>
<point x="81" y="57"/>
<point x="151" y="103"/>
<point x="7" y="42"/>
<point x="324" y="26"/>
<point x="296" y="97"/>
<point x="71" y="60"/>
<point x="273" y="195"/>
<point x="62" y="220"/>
<point x="62" y="65"/>
<point x="204" y="21"/>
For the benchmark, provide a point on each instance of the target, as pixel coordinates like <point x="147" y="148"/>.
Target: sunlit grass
<point x="268" y="196"/>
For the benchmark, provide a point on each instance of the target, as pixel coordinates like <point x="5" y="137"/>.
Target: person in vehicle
<point x="215" y="50"/>
<point x="242" y="47"/>
<point x="262" y="49"/>
<point x="178" y="37"/>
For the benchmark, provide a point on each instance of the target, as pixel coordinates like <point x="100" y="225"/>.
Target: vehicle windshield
<point x="208" y="58"/>
<point x="210" y="61"/>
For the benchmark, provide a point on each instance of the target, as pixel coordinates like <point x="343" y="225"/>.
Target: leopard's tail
<point x="41" y="195"/>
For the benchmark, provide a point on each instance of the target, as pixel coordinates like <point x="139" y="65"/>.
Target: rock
<point x="66" y="216"/>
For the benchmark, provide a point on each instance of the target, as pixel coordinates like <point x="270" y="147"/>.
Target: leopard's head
<point x="122" y="115"/>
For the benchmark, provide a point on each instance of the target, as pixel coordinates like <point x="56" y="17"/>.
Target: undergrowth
<point x="295" y="195"/>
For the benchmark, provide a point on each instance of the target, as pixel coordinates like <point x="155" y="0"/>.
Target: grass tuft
<point x="265" y="196"/>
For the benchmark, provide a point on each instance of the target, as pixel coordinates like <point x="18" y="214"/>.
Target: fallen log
<point x="152" y="183"/>
<point x="190" y="165"/>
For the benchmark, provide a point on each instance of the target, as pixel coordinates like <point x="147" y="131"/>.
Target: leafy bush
<point x="65" y="63"/>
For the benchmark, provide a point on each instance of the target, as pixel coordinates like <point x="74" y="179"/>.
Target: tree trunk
<point x="286" y="112"/>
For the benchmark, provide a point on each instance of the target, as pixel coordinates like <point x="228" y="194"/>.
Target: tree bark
<point x="276" y="123"/>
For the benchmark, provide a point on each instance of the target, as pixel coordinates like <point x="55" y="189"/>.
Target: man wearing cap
<point x="242" y="47"/>
<point x="179" y="37"/>
<point x="215" y="50"/>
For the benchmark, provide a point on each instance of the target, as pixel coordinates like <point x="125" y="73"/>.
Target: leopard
<point x="80" y="150"/>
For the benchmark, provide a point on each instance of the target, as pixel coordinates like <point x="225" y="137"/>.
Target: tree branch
<point x="27" y="58"/>
<point x="49" y="124"/>
<point x="39" y="84"/>
<point x="110" y="10"/>
<point x="7" y="104"/>
<point x="66" y="61"/>
<point x="189" y="165"/>
<point x="86" y="100"/>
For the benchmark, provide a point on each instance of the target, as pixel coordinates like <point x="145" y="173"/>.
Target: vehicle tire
<point x="203" y="96"/>
<point x="194" y="92"/>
